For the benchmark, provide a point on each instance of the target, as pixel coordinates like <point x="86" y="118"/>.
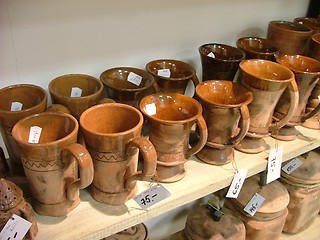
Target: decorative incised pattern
<point x="40" y="166"/>
<point x="106" y="156"/>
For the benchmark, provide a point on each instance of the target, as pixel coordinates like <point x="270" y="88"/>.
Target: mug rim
<point x="252" y="50"/>
<point x="294" y="70"/>
<point x="304" y="29"/>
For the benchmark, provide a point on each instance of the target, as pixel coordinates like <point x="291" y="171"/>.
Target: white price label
<point x="16" y="106"/>
<point x="164" y="72"/>
<point x="15" y="228"/>
<point x="34" y="134"/>
<point x="237" y="183"/>
<point x="76" y="92"/>
<point x="274" y="164"/>
<point x="151" y="109"/>
<point x="292" y="165"/>
<point x="134" y="78"/>
<point x="151" y="196"/>
<point x="319" y="97"/>
<point x="254" y="204"/>
<point x="211" y="54"/>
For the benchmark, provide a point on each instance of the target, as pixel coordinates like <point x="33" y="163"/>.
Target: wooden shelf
<point x="93" y="220"/>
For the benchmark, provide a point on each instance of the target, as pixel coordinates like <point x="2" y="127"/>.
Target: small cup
<point x="220" y="61"/>
<point x="56" y="166"/>
<point x="112" y="134"/>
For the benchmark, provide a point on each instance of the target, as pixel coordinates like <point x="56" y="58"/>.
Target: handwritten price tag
<point x="16" y="106"/>
<point x="274" y="164"/>
<point x="134" y="78"/>
<point x="237" y="183"/>
<point x="254" y="204"/>
<point x="151" y="196"/>
<point x="211" y="54"/>
<point x="76" y="92"/>
<point x="292" y="165"/>
<point x="164" y="72"/>
<point x="34" y="134"/>
<point x="16" y="228"/>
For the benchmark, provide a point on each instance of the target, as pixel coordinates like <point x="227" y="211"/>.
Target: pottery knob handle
<point x="85" y="165"/>
<point x="149" y="155"/>
<point x="244" y="125"/>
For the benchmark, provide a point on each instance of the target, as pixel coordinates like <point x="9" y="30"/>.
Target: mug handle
<point x="203" y="132"/>
<point x="156" y="87"/>
<point x="314" y="112"/>
<point x="244" y="125"/>
<point x="84" y="160"/>
<point x="294" y="100"/>
<point x="149" y="155"/>
<point x="195" y="81"/>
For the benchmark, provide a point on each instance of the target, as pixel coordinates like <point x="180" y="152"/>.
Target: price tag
<point x="164" y="72"/>
<point x="237" y="183"/>
<point x="16" y="228"/>
<point x="292" y="165"/>
<point x="254" y="204"/>
<point x="16" y="106"/>
<point x="211" y="54"/>
<point x="34" y="134"/>
<point x="151" y="196"/>
<point x="76" y="92"/>
<point x="274" y="164"/>
<point x="134" y="78"/>
<point x="151" y="109"/>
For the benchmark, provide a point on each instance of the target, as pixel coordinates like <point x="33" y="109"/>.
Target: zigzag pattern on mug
<point x="105" y="157"/>
<point x="41" y="166"/>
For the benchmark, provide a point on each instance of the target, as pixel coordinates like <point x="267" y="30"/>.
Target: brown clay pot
<point x="291" y="38"/>
<point x="224" y="64"/>
<point x="180" y="75"/>
<point x="267" y="81"/>
<point x="307" y="74"/>
<point x="113" y="145"/>
<point x="225" y="110"/>
<point x="311" y="22"/>
<point x="313" y="101"/>
<point x="137" y="232"/>
<point x="303" y="186"/>
<point x="267" y="223"/>
<point x="170" y="117"/>
<point x="52" y="164"/>
<point x="33" y="100"/>
<point x="12" y="202"/>
<point x="314" y="47"/>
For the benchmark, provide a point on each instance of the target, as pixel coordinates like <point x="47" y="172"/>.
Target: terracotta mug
<point x="311" y="22"/>
<point x="128" y="85"/>
<point x="225" y="110"/>
<point x="219" y="61"/>
<point x="17" y="102"/>
<point x="113" y="145"/>
<point x="170" y="117"/>
<point x="77" y="92"/>
<point x="307" y="74"/>
<point x="56" y="166"/>
<point x="267" y="81"/>
<point x="172" y="75"/>
<point x="258" y="48"/>
<point x="291" y="38"/>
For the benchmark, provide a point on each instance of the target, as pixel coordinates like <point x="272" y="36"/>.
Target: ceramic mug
<point x="219" y="61"/>
<point x="170" y="117"/>
<point x="172" y="75"/>
<point x="225" y="110"/>
<point x="311" y="22"/>
<point x="314" y="46"/>
<point x="17" y="102"/>
<point x="112" y="134"/>
<point x="56" y="166"/>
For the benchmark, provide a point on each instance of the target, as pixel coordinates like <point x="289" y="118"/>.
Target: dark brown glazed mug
<point x="313" y="23"/>
<point x="178" y="75"/>
<point x="258" y="48"/>
<point x="291" y="38"/>
<point x="219" y="61"/>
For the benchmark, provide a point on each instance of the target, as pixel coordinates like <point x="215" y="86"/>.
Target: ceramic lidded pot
<point x="225" y="110"/>
<point x="311" y="22"/>
<point x="267" y="223"/>
<point x="291" y="38"/>
<point x="172" y="75"/>
<point x="258" y="48"/>
<point x="219" y="61"/>
<point x="201" y="224"/>
<point x="12" y="202"/>
<point x="137" y="232"/>
<point x="303" y="185"/>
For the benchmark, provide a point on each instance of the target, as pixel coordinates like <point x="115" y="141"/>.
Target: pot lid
<point x="10" y="195"/>
<point x="308" y="172"/>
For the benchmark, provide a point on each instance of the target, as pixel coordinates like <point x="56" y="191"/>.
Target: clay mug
<point x="172" y="75"/>
<point x="267" y="81"/>
<point x="291" y="38"/>
<point x="128" y="85"/>
<point x="307" y="74"/>
<point x="258" y="48"/>
<point x="56" y="166"/>
<point x="17" y="102"/>
<point x="225" y="110"/>
<point x="313" y="101"/>
<point x="314" y="46"/>
<point x="112" y="133"/>
<point x="311" y="22"/>
<point x="170" y="117"/>
<point x="219" y="61"/>
<point x="77" y="92"/>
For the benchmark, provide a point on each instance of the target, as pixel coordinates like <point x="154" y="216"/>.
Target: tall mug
<point x="56" y="166"/>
